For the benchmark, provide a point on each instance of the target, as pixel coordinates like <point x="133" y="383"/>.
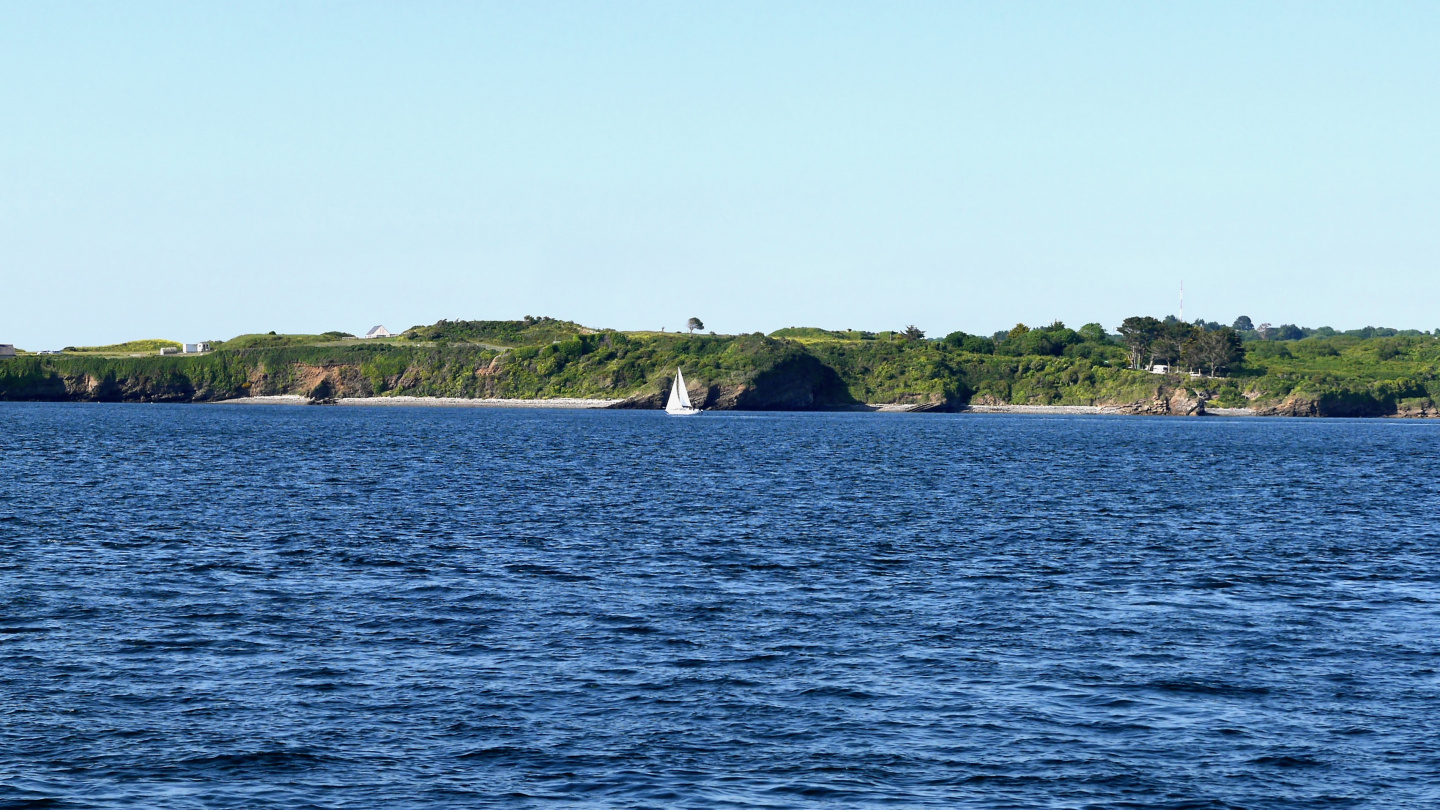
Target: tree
<point x="913" y="333"/>
<point x="693" y="324"/>
<point x="1170" y="343"/>
<point x="1217" y="350"/>
<point x="1094" y="332"/>
<point x="1264" y="330"/>
<point x="1019" y="330"/>
<point x="1243" y="324"/>
<point x="969" y="343"/>
<point x="1140" y="334"/>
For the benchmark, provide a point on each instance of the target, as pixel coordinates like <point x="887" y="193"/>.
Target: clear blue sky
<point x="196" y="170"/>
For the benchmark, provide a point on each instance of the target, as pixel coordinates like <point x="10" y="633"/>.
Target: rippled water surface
<point x="225" y="606"/>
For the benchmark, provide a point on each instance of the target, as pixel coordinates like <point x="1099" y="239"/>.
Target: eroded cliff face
<point x="108" y="388"/>
<point x="316" y="381"/>
<point x="169" y="386"/>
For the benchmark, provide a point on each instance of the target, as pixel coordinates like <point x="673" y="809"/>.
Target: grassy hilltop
<point x="1314" y="372"/>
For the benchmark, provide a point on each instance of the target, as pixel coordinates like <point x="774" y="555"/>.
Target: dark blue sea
<point x="310" y="607"/>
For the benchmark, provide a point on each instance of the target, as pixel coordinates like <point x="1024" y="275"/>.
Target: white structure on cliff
<point x="195" y="348"/>
<point x="378" y="332"/>
<point x="7" y="350"/>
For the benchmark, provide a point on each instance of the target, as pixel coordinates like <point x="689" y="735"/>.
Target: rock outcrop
<point x="1348" y="406"/>
<point x="1167" y="401"/>
<point x="1417" y="410"/>
<point x="1290" y="406"/>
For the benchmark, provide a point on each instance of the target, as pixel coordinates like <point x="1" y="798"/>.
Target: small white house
<point x="1159" y="368"/>
<point x="378" y="332"/>
<point x="7" y="350"/>
<point x="196" y="348"/>
<point x="169" y="350"/>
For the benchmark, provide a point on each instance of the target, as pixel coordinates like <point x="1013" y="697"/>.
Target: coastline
<point x="792" y="369"/>
<point x="1229" y="411"/>
<point x="1089" y="409"/>
<point x="428" y="402"/>
<point x="1038" y="409"/>
<point x="577" y="403"/>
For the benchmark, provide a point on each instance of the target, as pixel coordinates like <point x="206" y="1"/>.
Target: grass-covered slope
<point x="133" y="346"/>
<point x="273" y="341"/>
<point x="527" y="332"/>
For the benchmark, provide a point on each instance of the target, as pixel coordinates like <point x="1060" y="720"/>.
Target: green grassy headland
<point x="129" y="347"/>
<point x="1318" y="372"/>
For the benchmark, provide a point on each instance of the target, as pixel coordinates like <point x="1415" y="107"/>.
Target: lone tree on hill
<point x="1243" y="324"/>
<point x="912" y="332"/>
<point x="693" y="324"/>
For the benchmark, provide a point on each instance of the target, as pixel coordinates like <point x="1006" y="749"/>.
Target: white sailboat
<point x="679" y="404"/>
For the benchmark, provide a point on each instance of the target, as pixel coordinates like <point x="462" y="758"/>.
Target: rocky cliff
<point x="798" y="383"/>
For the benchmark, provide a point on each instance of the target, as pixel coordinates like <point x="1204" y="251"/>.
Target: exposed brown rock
<point x="1294" y="405"/>
<point x="1166" y="402"/>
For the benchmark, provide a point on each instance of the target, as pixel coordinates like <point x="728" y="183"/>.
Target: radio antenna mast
<point x="1182" y="300"/>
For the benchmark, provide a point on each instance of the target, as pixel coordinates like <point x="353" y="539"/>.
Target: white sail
<point x="674" y="402"/>
<point x="680" y="386"/>
<point x="679" y="402"/>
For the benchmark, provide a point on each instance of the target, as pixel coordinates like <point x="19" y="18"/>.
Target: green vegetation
<point x="810" y="333"/>
<point x="274" y="341"/>
<point x="128" y="347"/>
<point x="1249" y="330"/>
<point x="1344" y="374"/>
<point x="1325" y="373"/>
<point x="530" y="331"/>
<point x="946" y="371"/>
<point x="1177" y="344"/>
